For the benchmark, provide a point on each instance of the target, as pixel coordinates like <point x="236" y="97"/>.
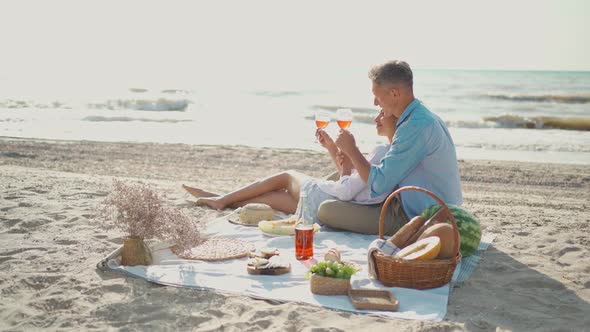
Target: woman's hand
<point x="325" y="139"/>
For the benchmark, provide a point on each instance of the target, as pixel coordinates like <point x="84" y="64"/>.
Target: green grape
<point x="313" y="269"/>
<point x="348" y="270"/>
<point x="336" y="270"/>
<point x="321" y="265"/>
<point x="321" y="273"/>
<point x="346" y="275"/>
<point x="329" y="272"/>
<point x="340" y="274"/>
<point x="338" y="266"/>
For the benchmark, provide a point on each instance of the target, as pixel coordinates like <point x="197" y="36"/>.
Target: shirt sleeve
<point x="375" y="156"/>
<point x="407" y="151"/>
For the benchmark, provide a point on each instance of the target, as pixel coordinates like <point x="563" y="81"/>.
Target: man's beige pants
<point x="360" y="218"/>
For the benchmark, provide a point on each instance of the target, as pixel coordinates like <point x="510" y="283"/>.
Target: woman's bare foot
<point x="212" y="202"/>
<point x="198" y="193"/>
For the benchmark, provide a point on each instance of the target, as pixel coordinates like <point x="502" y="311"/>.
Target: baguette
<point x="409" y="229"/>
<point x="437" y="218"/>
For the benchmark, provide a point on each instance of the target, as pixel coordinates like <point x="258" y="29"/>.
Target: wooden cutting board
<point x="271" y="272"/>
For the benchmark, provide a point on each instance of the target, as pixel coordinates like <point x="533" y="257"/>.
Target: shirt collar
<point x="409" y="109"/>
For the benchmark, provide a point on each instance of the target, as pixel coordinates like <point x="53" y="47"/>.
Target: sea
<point x="538" y="116"/>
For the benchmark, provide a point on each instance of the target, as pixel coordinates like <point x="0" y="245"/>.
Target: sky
<point x="148" y="40"/>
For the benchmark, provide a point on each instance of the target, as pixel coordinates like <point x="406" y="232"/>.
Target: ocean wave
<point x="144" y="104"/>
<point x="334" y="108"/>
<point x="470" y="124"/>
<point x="539" y="147"/>
<point x="277" y="94"/>
<point x="173" y="91"/>
<point x="95" y="118"/>
<point x="157" y="104"/>
<point x="169" y="91"/>
<point x="502" y="121"/>
<point x="12" y="120"/>
<point x="15" y="103"/>
<point x="540" y="122"/>
<point x="568" y="99"/>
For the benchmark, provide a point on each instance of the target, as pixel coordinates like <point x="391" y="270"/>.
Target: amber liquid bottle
<point x="303" y="232"/>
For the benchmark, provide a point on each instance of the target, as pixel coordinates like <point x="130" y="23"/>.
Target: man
<point x="422" y="154"/>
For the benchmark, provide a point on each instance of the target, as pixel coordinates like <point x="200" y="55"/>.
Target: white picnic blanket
<point x="231" y="275"/>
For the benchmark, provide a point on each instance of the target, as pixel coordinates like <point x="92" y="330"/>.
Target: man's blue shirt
<point x="422" y="154"/>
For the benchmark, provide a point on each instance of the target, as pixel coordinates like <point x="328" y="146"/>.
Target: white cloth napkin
<point x="383" y="246"/>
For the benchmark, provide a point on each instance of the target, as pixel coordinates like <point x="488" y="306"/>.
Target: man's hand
<point x="345" y="142"/>
<point x="344" y="163"/>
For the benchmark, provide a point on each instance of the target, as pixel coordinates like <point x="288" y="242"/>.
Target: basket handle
<point x="429" y="193"/>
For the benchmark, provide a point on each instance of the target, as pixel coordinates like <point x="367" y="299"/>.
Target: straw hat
<point x="216" y="249"/>
<point x="251" y="214"/>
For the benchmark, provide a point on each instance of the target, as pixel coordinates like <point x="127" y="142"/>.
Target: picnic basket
<point x="329" y="286"/>
<point x="419" y="274"/>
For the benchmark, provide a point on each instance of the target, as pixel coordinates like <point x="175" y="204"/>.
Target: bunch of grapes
<point x="333" y="270"/>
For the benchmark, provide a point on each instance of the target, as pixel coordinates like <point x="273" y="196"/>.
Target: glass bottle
<point x="303" y="231"/>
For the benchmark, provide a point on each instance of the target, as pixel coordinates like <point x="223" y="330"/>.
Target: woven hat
<point x="216" y="249"/>
<point x="251" y="214"/>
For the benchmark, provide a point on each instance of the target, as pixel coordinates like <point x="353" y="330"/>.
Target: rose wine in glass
<point x="344" y="118"/>
<point x="322" y="119"/>
<point x="321" y="124"/>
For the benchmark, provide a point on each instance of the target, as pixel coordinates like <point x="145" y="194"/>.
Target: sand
<point x="535" y="276"/>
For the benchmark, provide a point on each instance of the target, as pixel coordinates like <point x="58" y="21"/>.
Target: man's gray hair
<point x="392" y="72"/>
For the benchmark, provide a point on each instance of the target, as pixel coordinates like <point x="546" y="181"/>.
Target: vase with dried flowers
<point x="141" y="213"/>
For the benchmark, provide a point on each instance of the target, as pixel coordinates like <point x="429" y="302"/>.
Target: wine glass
<point x="322" y="120"/>
<point x="344" y="118"/>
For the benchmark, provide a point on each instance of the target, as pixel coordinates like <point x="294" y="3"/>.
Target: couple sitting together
<point x="420" y="153"/>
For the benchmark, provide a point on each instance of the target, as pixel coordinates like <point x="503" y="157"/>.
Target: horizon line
<point x="501" y="69"/>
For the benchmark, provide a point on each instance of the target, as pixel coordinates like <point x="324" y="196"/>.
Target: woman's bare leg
<point x="279" y="200"/>
<point x="289" y="181"/>
<point x="196" y="192"/>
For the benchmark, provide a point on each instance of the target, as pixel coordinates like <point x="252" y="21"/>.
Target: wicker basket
<point x="329" y="286"/>
<point x="418" y="274"/>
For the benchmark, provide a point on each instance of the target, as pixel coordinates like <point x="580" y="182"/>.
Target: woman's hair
<point x="392" y="72"/>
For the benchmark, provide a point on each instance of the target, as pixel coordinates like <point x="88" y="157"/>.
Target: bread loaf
<point x="437" y="218"/>
<point x="333" y="255"/>
<point x="253" y="213"/>
<point x="401" y="237"/>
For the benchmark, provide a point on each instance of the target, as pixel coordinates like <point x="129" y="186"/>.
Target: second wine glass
<point x="344" y="118"/>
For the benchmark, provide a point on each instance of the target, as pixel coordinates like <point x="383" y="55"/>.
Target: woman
<point x="282" y="191"/>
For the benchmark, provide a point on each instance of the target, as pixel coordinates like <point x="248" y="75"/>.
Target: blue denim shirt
<point x="422" y="154"/>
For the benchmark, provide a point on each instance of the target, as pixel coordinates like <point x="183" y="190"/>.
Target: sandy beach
<point x="534" y="277"/>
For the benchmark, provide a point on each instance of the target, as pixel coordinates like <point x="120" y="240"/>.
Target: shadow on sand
<point x="513" y="296"/>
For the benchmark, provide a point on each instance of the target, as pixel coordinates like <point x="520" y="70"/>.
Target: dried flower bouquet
<point x="141" y="213"/>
